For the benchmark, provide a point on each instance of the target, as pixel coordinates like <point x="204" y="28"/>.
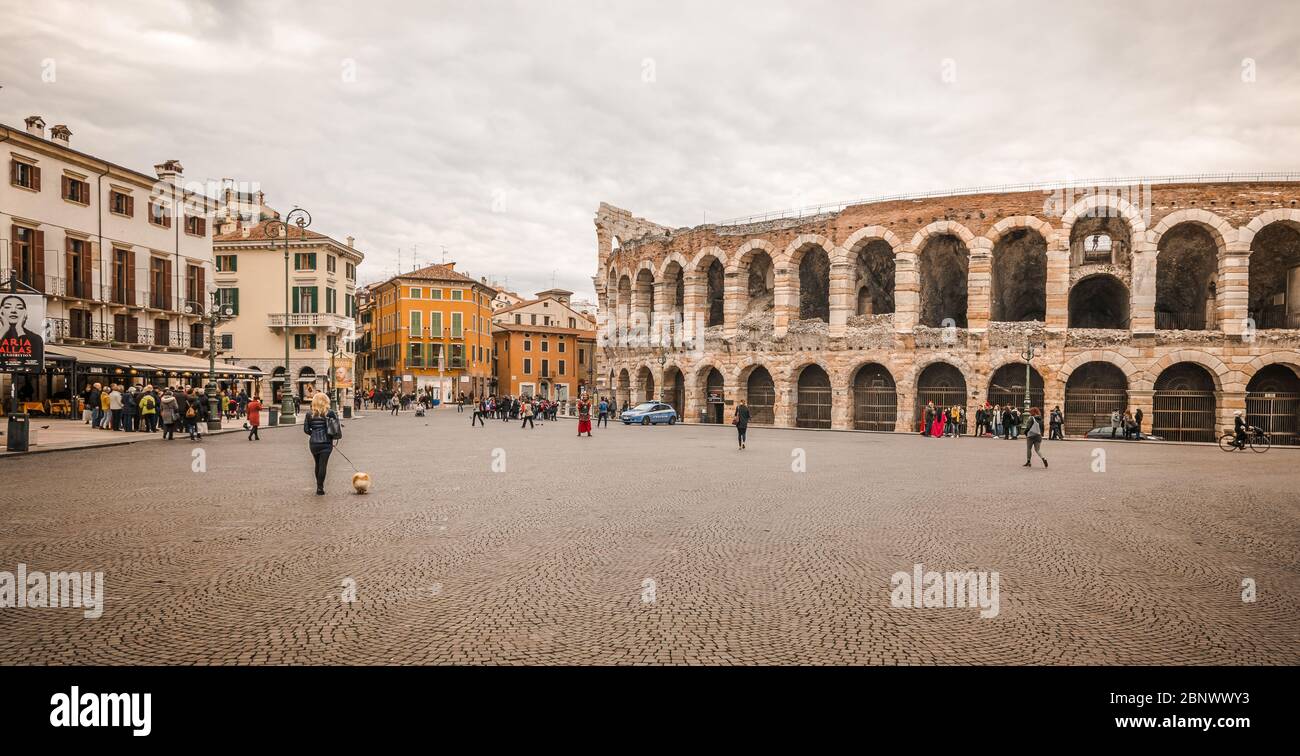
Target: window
<point x="304" y="261"/>
<point x="121" y="203"/>
<point x="435" y="354"/>
<point x="162" y="332"/>
<point x="519" y="319"/>
<point x="121" y="293"/>
<point x="546" y="368"/>
<point x="227" y="263"/>
<point x="528" y="345"/>
<point x="435" y="325"/>
<point x="76" y="190"/>
<point x="415" y="355"/>
<point x="304" y="299"/>
<point x="229" y="298"/>
<point x="79" y="325"/>
<point x="304" y="341"/>
<point x="351" y="271"/>
<point x="528" y="366"/>
<point x="78" y="268"/>
<point x="331" y="301"/>
<point x="195" y="292"/>
<point x="28" y="256"/>
<point x="24" y="175"/>
<point x="159" y="215"/>
<point x="415" y="323"/>
<point x="573" y="323"/>
<point x="546" y="345"/>
<point x="457" y="355"/>
<point x="227" y="342"/>
<point x="582" y="356"/>
<point x="197" y="340"/>
<point x="435" y="293"/>
<point x="196" y="226"/>
<point x="457" y="295"/>
<point x="561" y="367"/>
<point x="160" y="283"/>
<point x="559" y="346"/>
<point x="534" y="319"/>
<point x="416" y="292"/>
<point x="124" y="329"/>
<point x="331" y="262"/>
<point x="456" y="325"/>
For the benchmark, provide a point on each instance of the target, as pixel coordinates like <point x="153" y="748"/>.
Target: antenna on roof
<point x="444" y="255"/>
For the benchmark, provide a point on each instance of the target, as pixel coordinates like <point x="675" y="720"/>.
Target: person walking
<point x="526" y="411"/>
<point x="254" y="410"/>
<point x="1056" y="422"/>
<point x="1007" y="421"/>
<point x="105" y="411"/>
<point x="1034" y="438"/>
<point x="603" y="417"/>
<point x="1137" y="424"/>
<point x="169" y="411"/>
<point x="320" y="426"/>
<point x="584" y="417"/>
<point x="741" y="421"/>
<point x="115" y="409"/>
<point x="148" y="410"/>
<point x="395" y="404"/>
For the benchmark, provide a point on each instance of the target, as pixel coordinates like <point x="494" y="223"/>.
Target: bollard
<point x="272" y="416"/>
<point x="347" y="411"/>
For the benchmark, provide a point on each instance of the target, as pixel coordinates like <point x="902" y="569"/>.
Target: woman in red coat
<point x="254" y="418"/>
<point x="584" y="417"/>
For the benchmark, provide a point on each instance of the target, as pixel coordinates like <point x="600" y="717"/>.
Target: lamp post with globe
<point x="274" y="229"/>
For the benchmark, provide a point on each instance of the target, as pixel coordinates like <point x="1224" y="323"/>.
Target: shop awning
<point x="141" y="361"/>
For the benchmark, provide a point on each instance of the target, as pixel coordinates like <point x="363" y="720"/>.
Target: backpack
<point x="1035" y="429"/>
<point x="333" y="428"/>
<point x="189" y="411"/>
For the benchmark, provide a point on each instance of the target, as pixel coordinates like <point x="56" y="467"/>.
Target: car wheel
<point x="645" y="421"/>
<point x="672" y="420"/>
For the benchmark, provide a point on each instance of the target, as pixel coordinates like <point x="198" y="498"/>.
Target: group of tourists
<point x="1126" y="423"/>
<point x="506" y="408"/>
<point x="154" y="409"/>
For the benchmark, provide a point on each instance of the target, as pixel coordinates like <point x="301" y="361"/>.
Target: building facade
<point x="124" y="259"/>
<point x="430" y="331"/>
<point x="544" y="348"/>
<point x="1180" y="298"/>
<point x="319" y="282"/>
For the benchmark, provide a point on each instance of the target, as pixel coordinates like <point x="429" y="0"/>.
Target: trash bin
<point x="704" y="415"/>
<point x="18" y="438"/>
<point x="272" y="415"/>
<point x="347" y="411"/>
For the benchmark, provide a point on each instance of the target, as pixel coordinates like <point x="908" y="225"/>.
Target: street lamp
<point x="334" y="349"/>
<point x="275" y="227"/>
<point x="217" y="313"/>
<point x="1030" y="346"/>
<point x="663" y="359"/>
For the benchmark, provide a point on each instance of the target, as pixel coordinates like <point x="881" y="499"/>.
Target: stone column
<point x="658" y="320"/>
<point x="693" y="309"/>
<point x="979" y="290"/>
<point x="1058" y="285"/>
<point x="1142" y="303"/>
<point x="1144" y="400"/>
<point x="691" y="412"/>
<point x="734" y="299"/>
<point x="785" y="298"/>
<point x="783" y="409"/>
<point x="907" y="291"/>
<point x="841" y="407"/>
<point x="1225" y="403"/>
<point x="906" y="409"/>
<point x="1233" y="290"/>
<point x="841" y="298"/>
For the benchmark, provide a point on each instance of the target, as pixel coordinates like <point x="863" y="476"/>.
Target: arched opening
<point x="1099" y="301"/>
<point x="675" y="288"/>
<point x="1007" y="387"/>
<point x="624" y="300"/>
<point x="675" y="391"/>
<point x="874" y="278"/>
<point x="714" y="397"/>
<point x="1100" y="238"/>
<point x="624" y="393"/>
<point x="277" y="384"/>
<point x="306" y="383"/>
<point x="644" y="299"/>
<point x="814" y="284"/>
<point x="1183" y="406"/>
<point x="760" y="396"/>
<point x="1273" y="403"/>
<point x="813" y="405"/>
<point x="944" y="264"/>
<point x="714" y="291"/>
<point x="1275" y="277"/>
<point x="1019" y="277"/>
<point x="875" y="399"/>
<point x="940" y="384"/>
<point x="646" y="380"/>
<point x="1093" y="391"/>
<point x="1186" y="262"/>
<point x="757" y="272"/>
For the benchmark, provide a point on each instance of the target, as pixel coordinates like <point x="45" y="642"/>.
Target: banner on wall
<point x="22" y="326"/>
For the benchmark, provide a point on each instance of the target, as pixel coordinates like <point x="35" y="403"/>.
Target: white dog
<point x="361" y="482"/>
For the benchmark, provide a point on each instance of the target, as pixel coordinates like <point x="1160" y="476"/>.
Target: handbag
<point x="333" y="428"/>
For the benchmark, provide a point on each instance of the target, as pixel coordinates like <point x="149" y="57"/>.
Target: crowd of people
<point x="161" y="409"/>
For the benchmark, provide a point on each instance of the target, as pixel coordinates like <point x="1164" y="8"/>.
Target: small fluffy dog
<point x="361" y="482"/>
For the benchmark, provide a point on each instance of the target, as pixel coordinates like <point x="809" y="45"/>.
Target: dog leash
<point x="340" y="451"/>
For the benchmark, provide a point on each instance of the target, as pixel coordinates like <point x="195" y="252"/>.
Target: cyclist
<point x="1240" y="428"/>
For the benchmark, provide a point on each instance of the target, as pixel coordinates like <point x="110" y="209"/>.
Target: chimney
<point x="169" y="170"/>
<point x="60" y="133"/>
<point x="450" y="265"/>
<point x="36" y="126"/>
<point x="350" y="240"/>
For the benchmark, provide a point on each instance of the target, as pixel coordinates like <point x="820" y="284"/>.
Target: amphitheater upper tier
<point x="1180" y="298"/>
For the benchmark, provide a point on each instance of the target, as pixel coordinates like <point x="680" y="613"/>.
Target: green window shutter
<point x="315" y="302"/>
<point x="235" y="303"/>
<point x="294" y="298"/>
<point x="435" y="324"/>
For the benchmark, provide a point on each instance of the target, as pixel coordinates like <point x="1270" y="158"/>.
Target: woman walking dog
<point x="322" y="427"/>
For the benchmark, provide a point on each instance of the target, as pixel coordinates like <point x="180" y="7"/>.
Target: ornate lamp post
<point x="663" y="359"/>
<point x="217" y="314"/>
<point x="1031" y="349"/>
<point x="335" y="349"/>
<point x="302" y="219"/>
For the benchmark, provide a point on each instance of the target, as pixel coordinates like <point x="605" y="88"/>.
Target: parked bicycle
<point x="1256" y="439"/>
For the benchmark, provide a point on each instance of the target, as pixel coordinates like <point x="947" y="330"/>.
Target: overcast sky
<point x="495" y="129"/>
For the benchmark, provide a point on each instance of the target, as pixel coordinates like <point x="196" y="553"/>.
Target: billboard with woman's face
<point x="22" y="329"/>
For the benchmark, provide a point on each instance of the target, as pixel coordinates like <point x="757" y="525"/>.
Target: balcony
<point x="310" y="320"/>
<point x="61" y="330"/>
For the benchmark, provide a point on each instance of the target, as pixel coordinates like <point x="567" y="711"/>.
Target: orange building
<point x="544" y="361"/>
<point x="431" y="329"/>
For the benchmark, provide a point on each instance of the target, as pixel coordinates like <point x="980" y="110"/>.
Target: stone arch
<point x="813" y="292"/>
<point x="812" y="395"/>
<point x="1274" y="248"/>
<point x="871" y="254"/>
<point x="1018" y="274"/>
<point x="874" y="394"/>
<point x="943" y="228"/>
<point x="795" y="250"/>
<point x="646" y="390"/>
<point x="623" y="390"/>
<point x="943" y="275"/>
<point x="673" y="275"/>
<point x="1184" y="404"/>
<point x="753" y="269"/>
<point x="1287" y="215"/>
<point x="674" y="388"/>
<point x="746" y="251"/>
<point x="756" y="386"/>
<point x="843" y="254"/>
<point x="1218" y="371"/>
<point x="1099" y="300"/>
<point x="1009" y="224"/>
<point x="1006" y="385"/>
<point x="1219" y="229"/>
<point x="1111" y="203"/>
<point x="942" y="382"/>
<point x="643" y="287"/>
<point x="1131" y="373"/>
<point x="1287" y="358"/>
<point x="697" y="260"/>
<point x="674" y="257"/>
<point x="714" y="413"/>
<point x="967" y="372"/>
<point x="706" y="283"/>
<point x="1188" y="252"/>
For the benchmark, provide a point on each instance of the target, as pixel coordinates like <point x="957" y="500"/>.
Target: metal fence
<point x="1183" y="415"/>
<point x="942" y="396"/>
<point x="761" y="400"/>
<point x="1088" y="408"/>
<point x="875" y="408"/>
<point x="1277" y="413"/>
<point x="814" y="407"/>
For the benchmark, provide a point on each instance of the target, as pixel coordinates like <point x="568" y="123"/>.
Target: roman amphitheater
<point x="1178" y="295"/>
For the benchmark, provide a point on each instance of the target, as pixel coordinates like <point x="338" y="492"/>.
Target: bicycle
<point x="1258" y="441"/>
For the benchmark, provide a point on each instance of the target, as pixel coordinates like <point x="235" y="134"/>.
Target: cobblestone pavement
<point x="752" y="563"/>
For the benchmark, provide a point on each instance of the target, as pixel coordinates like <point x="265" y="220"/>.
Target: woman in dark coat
<point x="741" y="421"/>
<point x="316" y="427"/>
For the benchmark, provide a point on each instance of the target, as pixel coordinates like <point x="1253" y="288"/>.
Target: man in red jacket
<point x="254" y="418"/>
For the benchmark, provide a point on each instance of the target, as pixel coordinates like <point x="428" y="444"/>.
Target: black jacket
<point x="316" y="427"/>
<point x="742" y="415"/>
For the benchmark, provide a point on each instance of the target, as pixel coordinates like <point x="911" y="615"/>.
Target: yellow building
<point x="431" y="330"/>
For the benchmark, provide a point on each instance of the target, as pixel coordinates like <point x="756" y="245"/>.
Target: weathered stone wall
<point x="761" y="313"/>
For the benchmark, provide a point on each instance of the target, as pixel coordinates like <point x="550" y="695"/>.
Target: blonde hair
<point x="320" y="403"/>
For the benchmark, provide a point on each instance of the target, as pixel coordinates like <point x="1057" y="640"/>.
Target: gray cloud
<point x="494" y="129"/>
